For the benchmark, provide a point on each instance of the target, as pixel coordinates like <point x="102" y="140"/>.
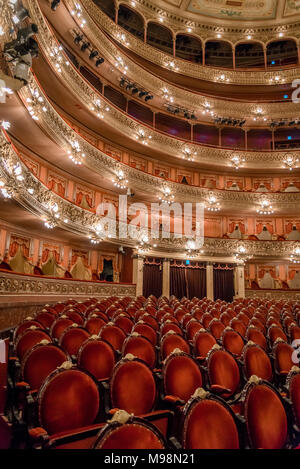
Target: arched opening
<point x="218" y="54"/>
<point x="160" y="37"/>
<point x="287" y="138"/>
<point x="131" y="21"/>
<point x="249" y="55"/>
<point x="140" y="112"/>
<point x="108" y="7"/>
<point x="280" y="53"/>
<point x="189" y="48"/>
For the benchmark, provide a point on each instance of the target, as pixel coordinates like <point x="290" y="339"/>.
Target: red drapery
<point x="187" y="280"/>
<point x="224" y="282"/>
<point x="152" y="277"/>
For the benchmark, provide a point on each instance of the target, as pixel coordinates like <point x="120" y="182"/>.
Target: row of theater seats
<point x="154" y="373"/>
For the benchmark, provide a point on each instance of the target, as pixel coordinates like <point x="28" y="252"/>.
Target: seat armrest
<point x="174" y="443"/>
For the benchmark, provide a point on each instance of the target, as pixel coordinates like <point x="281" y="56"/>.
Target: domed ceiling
<point x="264" y="11"/>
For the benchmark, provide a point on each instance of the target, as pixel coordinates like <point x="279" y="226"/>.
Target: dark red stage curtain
<point x="152" y="278"/>
<point x="187" y="280"/>
<point x="224" y="282"/>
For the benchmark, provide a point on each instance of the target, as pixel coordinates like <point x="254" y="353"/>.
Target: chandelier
<point x="265" y="208"/>
<point x="188" y="154"/>
<point x="237" y="161"/>
<point x="295" y="258"/>
<point x="213" y="205"/>
<point x="290" y="162"/>
<point x="143" y="244"/>
<point x="142" y="137"/>
<point x="192" y="250"/>
<point x="167" y="197"/>
<point x="120" y="180"/>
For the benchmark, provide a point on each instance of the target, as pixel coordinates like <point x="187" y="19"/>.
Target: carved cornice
<point x="274" y="294"/>
<point x="93" y="14"/>
<point x="53" y="124"/>
<point x="12" y="284"/>
<point x="208" y="28"/>
<point x="129" y="128"/>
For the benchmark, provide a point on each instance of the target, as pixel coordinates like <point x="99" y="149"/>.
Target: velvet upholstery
<point x="132" y="387"/>
<point x="209" y="425"/>
<point x="114" y="335"/>
<point x="203" y="343"/>
<point x="283" y="353"/>
<point x="28" y="339"/>
<point x="94" y="324"/>
<point x="59" y="326"/>
<point x="232" y="342"/>
<point x="257" y="362"/>
<point x="223" y="373"/>
<point x="256" y="336"/>
<point x="294" y="391"/>
<point x="141" y="348"/>
<point x="97" y="357"/>
<point x="135" y="434"/>
<point x="172" y="341"/>
<point x="147" y="331"/>
<point x="266" y="418"/>
<point x="68" y="399"/>
<point x="24" y="326"/>
<point x="39" y="362"/>
<point x="181" y="376"/>
<point x="72" y="338"/>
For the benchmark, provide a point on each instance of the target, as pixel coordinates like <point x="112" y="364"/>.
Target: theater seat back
<point x="181" y="376"/>
<point x="223" y="373"/>
<point x="265" y="417"/>
<point x="132" y="387"/>
<point x="208" y="424"/>
<point x="97" y="357"/>
<point x="67" y="400"/>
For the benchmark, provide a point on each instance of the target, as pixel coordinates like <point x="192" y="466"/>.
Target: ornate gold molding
<point x="129" y="128"/>
<point x="274" y="294"/>
<point x="94" y="16"/>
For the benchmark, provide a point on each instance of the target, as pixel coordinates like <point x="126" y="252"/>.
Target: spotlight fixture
<point x="78" y="38"/>
<point x="85" y="46"/>
<point x="99" y="61"/>
<point x="93" y="54"/>
<point x="54" y="4"/>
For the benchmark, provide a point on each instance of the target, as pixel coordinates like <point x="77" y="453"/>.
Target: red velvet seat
<point x="265" y="417"/>
<point x="28" y="339"/>
<point x="3" y="378"/>
<point x="93" y="324"/>
<point x="203" y="343"/>
<point x="294" y="332"/>
<point x="39" y="362"/>
<point x="67" y="400"/>
<point x="216" y="328"/>
<point x="72" y="338"/>
<point x="185" y="320"/>
<point x="141" y="348"/>
<point x="170" y="326"/>
<point x="275" y="332"/>
<point x="192" y="327"/>
<point x="256" y="336"/>
<point x="146" y="330"/>
<point x="283" y="362"/>
<point x="97" y="357"/>
<point x="45" y="318"/>
<point x="233" y="342"/>
<point x="206" y="319"/>
<point x="59" y="326"/>
<point x="114" y="335"/>
<point x="24" y="326"/>
<point x="172" y="341"/>
<point x="132" y="387"/>
<point x="238" y="326"/>
<point x="256" y="362"/>
<point x="149" y="319"/>
<point x="134" y="434"/>
<point x="293" y="384"/>
<point x="181" y="377"/>
<point x="225" y="318"/>
<point x="75" y="316"/>
<point x="124" y="323"/>
<point x="209" y="424"/>
<point x="223" y="373"/>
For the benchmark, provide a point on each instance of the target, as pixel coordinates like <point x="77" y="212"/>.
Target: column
<point x="239" y="281"/>
<point x="138" y="269"/>
<point x="265" y="58"/>
<point x="209" y="281"/>
<point x="166" y="278"/>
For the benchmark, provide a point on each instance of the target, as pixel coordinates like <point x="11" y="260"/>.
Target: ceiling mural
<point x="292" y="7"/>
<point x="235" y="9"/>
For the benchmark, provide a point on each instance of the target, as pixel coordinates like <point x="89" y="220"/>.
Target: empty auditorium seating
<point x="212" y="365"/>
